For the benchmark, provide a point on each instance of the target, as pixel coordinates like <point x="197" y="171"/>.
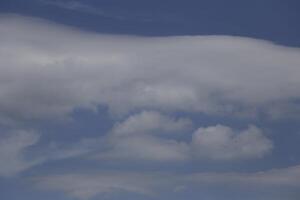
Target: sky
<point x="149" y="100"/>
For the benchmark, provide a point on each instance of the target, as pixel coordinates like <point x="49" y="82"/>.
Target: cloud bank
<point x="48" y="70"/>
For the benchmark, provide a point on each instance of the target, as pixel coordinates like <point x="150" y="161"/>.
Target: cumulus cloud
<point x="223" y="143"/>
<point x="146" y="148"/>
<point x="12" y="151"/>
<point x="146" y="136"/>
<point x="85" y="186"/>
<point x="143" y="137"/>
<point x="47" y="71"/>
<point x="139" y="138"/>
<point x="150" y="122"/>
<point x="214" y="143"/>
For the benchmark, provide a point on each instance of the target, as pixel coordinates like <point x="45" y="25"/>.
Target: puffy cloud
<point x="85" y="186"/>
<point x="12" y="151"/>
<point x="139" y="138"/>
<point x="223" y="143"/>
<point x="143" y="137"/>
<point x="150" y="122"/>
<point x="146" y="148"/>
<point x="129" y="143"/>
<point x="47" y="70"/>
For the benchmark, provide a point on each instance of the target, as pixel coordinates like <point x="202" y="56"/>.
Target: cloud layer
<point x="85" y="186"/>
<point x="49" y="70"/>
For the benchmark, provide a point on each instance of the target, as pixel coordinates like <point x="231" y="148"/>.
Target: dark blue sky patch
<point x="274" y="20"/>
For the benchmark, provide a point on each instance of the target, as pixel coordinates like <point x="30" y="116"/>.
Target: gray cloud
<point x="129" y="142"/>
<point x="146" y="148"/>
<point x="143" y="137"/>
<point x="16" y="155"/>
<point x="138" y="138"/>
<point x="152" y="123"/>
<point x="285" y="177"/>
<point x="12" y="151"/>
<point x="48" y="70"/>
<point x="86" y="186"/>
<point x="222" y="143"/>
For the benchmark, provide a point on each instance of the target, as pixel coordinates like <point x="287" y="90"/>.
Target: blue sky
<point x="150" y="100"/>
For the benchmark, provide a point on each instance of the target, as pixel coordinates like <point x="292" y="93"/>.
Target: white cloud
<point x="139" y="138"/>
<point x="12" y="149"/>
<point x="146" y="148"/>
<point x="47" y="71"/>
<point x="222" y="143"/>
<point x="16" y="157"/>
<point x="85" y="186"/>
<point x="143" y="137"/>
<point x="215" y="143"/>
<point x="150" y="122"/>
<point x="127" y="142"/>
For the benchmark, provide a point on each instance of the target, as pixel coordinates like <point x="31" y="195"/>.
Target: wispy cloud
<point x="12" y="149"/>
<point x="83" y="8"/>
<point x="122" y="15"/>
<point x="85" y="186"/>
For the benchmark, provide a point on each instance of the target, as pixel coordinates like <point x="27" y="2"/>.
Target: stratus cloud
<point x="47" y="70"/>
<point x="223" y="143"/>
<point x="85" y="186"/>
<point x="285" y="177"/>
<point x="12" y="150"/>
